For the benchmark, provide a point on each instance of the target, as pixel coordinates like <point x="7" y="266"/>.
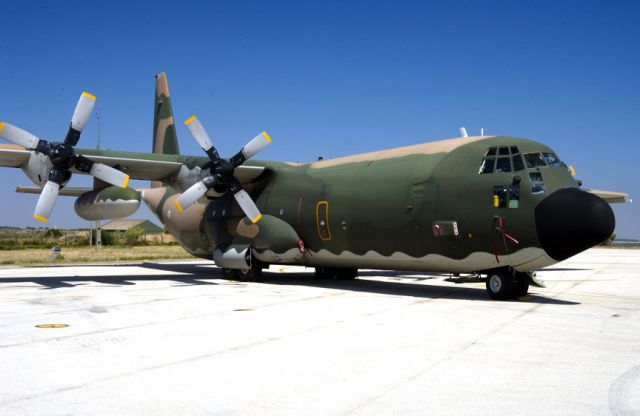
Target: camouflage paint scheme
<point x="422" y="207"/>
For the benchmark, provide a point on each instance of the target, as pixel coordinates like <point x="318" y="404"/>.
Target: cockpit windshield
<point x="509" y="159"/>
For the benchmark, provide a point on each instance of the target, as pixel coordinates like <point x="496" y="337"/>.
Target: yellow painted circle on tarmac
<point x="52" y="326"/>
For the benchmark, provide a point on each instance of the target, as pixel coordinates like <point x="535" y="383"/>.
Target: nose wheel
<point x="503" y="284"/>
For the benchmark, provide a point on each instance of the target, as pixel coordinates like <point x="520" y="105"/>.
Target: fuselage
<point x="457" y="205"/>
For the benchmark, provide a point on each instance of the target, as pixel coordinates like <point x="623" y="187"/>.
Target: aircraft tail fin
<point x="165" y="140"/>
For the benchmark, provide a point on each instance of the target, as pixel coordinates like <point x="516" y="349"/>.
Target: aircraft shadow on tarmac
<point x="204" y="273"/>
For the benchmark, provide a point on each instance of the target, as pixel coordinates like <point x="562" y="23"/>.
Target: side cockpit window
<point x="534" y="160"/>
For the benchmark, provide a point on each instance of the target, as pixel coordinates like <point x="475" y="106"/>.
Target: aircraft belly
<point x="526" y="259"/>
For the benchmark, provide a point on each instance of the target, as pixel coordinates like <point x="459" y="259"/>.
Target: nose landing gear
<point x="506" y="283"/>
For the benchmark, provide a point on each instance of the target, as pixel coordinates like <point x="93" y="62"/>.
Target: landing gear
<point x="503" y="284"/>
<point x="252" y="274"/>
<point x="336" y="273"/>
<point x="521" y="287"/>
<point x="500" y="284"/>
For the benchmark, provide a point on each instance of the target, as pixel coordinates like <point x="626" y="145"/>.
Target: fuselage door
<point x="322" y="220"/>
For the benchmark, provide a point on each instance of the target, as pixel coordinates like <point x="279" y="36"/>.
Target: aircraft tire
<point x="500" y="284"/>
<point x="521" y="287"/>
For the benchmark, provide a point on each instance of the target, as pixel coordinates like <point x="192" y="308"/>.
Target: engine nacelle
<point x="108" y="203"/>
<point x="37" y="168"/>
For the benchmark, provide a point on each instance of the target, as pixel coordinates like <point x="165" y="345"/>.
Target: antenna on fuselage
<point x="463" y="132"/>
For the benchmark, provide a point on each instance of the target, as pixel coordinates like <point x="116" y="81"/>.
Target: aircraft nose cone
<point x="570" y="221"/>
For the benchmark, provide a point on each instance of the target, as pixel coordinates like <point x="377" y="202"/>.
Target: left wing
<point x="144" y="166"/>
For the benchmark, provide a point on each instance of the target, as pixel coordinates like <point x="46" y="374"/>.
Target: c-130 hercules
<point x="496" y="206"/>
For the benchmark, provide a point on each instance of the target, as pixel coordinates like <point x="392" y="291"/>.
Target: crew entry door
<point x="322" y="220"/>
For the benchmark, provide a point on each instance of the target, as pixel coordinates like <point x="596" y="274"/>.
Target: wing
<point x="144" y="166"/>
<point x="610" y="196"/>
<point x="13" y="156"/>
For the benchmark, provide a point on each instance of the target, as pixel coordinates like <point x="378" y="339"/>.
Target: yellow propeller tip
<point x="189" y="120"/>
<point x="89" y="95"/>
<point x="39" y="218"/>
<point x="256" y="219"/>
<point x="266" y="135"/>
<point x="1" y="125"/>
<point x="177" y="204"/>
<point x="126" y="181"/>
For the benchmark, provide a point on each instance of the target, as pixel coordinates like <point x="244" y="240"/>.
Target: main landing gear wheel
<point x="521" y="287"/>
<point x="336" y="273"/>
<point x="500" y="284"/>
<point x="252" y="274"/>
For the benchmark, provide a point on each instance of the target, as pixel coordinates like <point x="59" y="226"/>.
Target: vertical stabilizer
<point x="165" y="140"/>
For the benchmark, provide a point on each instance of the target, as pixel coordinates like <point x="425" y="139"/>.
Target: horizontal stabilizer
<point x="610" y="196"/>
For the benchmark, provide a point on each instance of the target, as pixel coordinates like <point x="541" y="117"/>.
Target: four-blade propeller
<point x="222" y="170"/>
<point x="63" y="156"/>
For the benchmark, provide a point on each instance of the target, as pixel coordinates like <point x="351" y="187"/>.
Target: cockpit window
<point x="514" y="150"/>
<point x="517" y="163"/>
<point x="534" y="160"/>
<point x="503" y="151"/>
<point x="491" y="152"/>
<point x="487" y="165"/>
<point x="503" y="164"/>
<point x="552" y="160"/>
<point x="537" y="182"/>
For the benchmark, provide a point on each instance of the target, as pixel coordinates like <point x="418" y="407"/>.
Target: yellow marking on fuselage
<point x="325" y="219"/>
<point x="177" y="204"/>
<point x="189" y="120"/>
<point x="89" y="95"/>
<point x="39" y="218"/>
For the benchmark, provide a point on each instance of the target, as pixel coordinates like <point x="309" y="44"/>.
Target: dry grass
<point x="89" y="255"/>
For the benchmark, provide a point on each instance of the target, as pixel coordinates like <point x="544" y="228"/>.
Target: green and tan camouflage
<point x="497" y="206"/>
<point x="111" y="202"/>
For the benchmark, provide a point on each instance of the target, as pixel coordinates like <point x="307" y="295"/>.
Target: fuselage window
<point x="537" y="183"/>
<point x="503" y="165"/>
<point x="517" y="163"/>
<point x="534" y="160"/>
<point x="503" y="151"/>
<point x="487" y="165"/>
<point x="552" y="160"/>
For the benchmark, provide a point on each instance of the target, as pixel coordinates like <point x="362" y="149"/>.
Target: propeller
<point x="63" y="156"/>
<point x="222" y="170"/>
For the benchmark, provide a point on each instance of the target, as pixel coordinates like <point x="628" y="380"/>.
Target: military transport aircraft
<point x="496" y="206"/>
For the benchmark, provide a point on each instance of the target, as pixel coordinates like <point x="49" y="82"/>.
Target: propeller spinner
<point x="63" y="156"/>
<point x="222" y="170"/>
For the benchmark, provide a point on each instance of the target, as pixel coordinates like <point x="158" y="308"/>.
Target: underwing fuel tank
<point x="108" y="203"/>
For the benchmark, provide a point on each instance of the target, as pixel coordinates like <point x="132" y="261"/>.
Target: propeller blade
<point x="256" y="144"/>
<point x="18" y="136"/>
<point x="248" y="206"/>
<point x="46" y="201"/>
<point x="109" y="175"/>
<point x="198" y="132"/>
<point x="195" y="192"/>
<point x="80" y="117"/>
<point x="83" y="111"/>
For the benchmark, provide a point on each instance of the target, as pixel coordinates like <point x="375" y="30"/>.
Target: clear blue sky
<point x="332" y="78"/>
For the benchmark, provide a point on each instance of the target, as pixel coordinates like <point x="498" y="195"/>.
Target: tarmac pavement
<point x="176" y="338"/>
